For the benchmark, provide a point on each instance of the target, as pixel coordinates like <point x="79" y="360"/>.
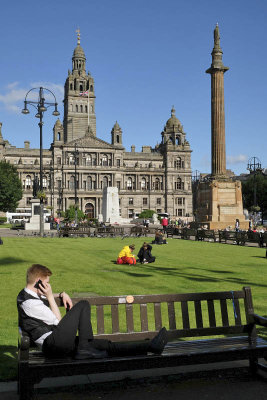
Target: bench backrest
<point x="184" y="315"/>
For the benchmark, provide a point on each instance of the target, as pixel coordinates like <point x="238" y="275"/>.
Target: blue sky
<point x="145" y="56"/>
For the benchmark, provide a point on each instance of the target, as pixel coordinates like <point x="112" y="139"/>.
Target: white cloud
<point x="238" y="159"/>
<point x="12" y="99"/>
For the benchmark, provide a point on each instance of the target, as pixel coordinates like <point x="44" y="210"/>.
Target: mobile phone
<point x="38" y="283"/>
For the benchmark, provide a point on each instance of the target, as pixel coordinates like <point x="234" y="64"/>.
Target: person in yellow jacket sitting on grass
<point x="125" y="256"/>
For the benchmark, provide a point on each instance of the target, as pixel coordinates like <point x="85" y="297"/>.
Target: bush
<point x="147" y="214"/>
<point x="3" y="220"/>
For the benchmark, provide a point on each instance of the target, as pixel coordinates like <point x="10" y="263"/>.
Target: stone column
<point x="217" y="70"/>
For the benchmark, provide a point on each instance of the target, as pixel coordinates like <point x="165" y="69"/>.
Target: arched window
<point x="81" y="108"/>
<point x="28" y="182"/>
<point x="89" y="210"/>
<point x="129" y="184"/>
<point x="143" y="184"/>
<point x="91" y="88"/>
<point x="72" y="183"/>
<point x="77" y="109"/>
<point x="104" y="182"/>
<point x="178" y="163"/>
<point x="105" y="160"/>
<point x="118" y="138"/>
<point x="92" y="108"/>
<point x="71" y="86"/>
<point x="157" y="184"/>
<point x="71" y="160"/>
<point x="81" y="88"/>
<point x="86" y="109"/>
<point x="58" y="136"/>
<point x="88" y="160"/>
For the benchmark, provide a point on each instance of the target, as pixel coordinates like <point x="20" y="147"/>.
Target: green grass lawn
<point x="88" y="265"/>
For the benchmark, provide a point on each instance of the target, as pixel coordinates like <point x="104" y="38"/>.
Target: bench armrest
<point x="258" y="320"/>
<point x="24" y="343"/>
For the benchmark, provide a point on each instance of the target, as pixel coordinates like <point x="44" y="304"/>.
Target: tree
<point x="10" y="187"/>
<point x="147" y="214"/>
<point x="260" y="181"/>
<point x="70" y="214"/>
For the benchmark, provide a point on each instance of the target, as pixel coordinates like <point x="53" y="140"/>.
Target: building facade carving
<point x="157" y="178"/>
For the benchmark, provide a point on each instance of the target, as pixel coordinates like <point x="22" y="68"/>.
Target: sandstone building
<point x="157" y="178"/>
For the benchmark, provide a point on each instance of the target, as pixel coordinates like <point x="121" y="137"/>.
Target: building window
<point x="158" y="200"/>
<point x="178" y="163"/>
<point x="130" y="200"/>
<point x="28" y="182"/>
<point x="159" y="210"/>
<point x="88" y="160"/>
<point x="44" y="182"/>
<point x="143" y="184"/>
<point x="129" y="184"/>
<point x="77" y="109"/>
<point x="180" y="200"/>
<point x="130" y="213"/>
<point x="71" y="160"/>
<point x="104" y="182"/>
<point x="118" y="185"/>
<point x="81" y="109"/>
<point x="118" y="162"/>
<point x="157" y="184"/>
<point x="179" y="212"/>
<point x="104" y="161"/>
<point x="58" y="160"/>
<point x="179" y="185"/>
<point x="144" y="201"/>
<point x="28" y="201"/>
<point x="71" y="183"/>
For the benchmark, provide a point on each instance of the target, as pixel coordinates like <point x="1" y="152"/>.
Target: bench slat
<point x="198" y="313"/>
<point x="115" y="318"/>
<point x="237" y="312"/>
<point x="100" y="319"/>
<point x="225" y="319"/>
<point x="129" y="318"/>
<point x="185" y="315"/>
<point x="212" y="319"/>
<point x="158" y="319"/>
<point x="171" y="315"/>
<point x="143" y="317"/>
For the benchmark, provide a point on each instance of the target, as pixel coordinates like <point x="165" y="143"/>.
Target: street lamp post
<point x="254" y="167"/>
<point x="41" y="106"/>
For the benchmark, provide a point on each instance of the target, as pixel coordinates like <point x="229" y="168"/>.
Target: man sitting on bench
<point x="40" y="318"/>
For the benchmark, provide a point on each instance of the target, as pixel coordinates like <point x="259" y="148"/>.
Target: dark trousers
<point x="64" y="342"/>
<point x="63" y="339"/>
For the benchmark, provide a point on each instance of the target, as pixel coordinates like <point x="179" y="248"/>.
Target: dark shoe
<point x="90" y="353"/>
<point x="158" y="343"/>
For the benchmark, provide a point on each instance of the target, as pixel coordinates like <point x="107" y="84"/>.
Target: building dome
<point x="78" y="52"/>
<point x="173" y="121"/>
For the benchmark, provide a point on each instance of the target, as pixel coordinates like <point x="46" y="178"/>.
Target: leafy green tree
<point x="147" y="214"/>
<point x="70" y="214"/>
<point x="260" y="181"/>
<point x="10" y="187"/>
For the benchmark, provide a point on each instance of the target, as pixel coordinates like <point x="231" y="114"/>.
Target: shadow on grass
<point x="8" y="363"/>
<point x="177" y="272"/>
<point x="10" y="260"/>
<point x="259" y="257"/>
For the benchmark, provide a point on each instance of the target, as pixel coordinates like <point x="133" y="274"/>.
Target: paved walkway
<point x="208" y="384"/>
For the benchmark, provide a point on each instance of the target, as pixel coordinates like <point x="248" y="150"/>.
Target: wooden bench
<point x="188" y="232"/>
<point x="68" y="231"/>
<point x="253" y="237"/>
<point x="139" y="231"/>
<point x="185" y="316"/>
<point x="203" y="234"/>
<point x="232" y="236"/>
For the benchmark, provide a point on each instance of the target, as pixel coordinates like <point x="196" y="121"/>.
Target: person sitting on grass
<point x="159" y="238"/>
<point x="145" y="255"/>
<point x="40" y="318"/>
<point x="125" y="256"/>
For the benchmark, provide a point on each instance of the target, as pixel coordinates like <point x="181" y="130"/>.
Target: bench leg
<point x="25" y="384"/>
<point x="253" y="365"/>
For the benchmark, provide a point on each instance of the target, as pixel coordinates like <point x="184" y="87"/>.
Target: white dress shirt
<point x="37" y="309"/>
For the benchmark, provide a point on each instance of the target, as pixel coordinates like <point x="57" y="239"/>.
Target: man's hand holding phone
<point x="44" y="288"/>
